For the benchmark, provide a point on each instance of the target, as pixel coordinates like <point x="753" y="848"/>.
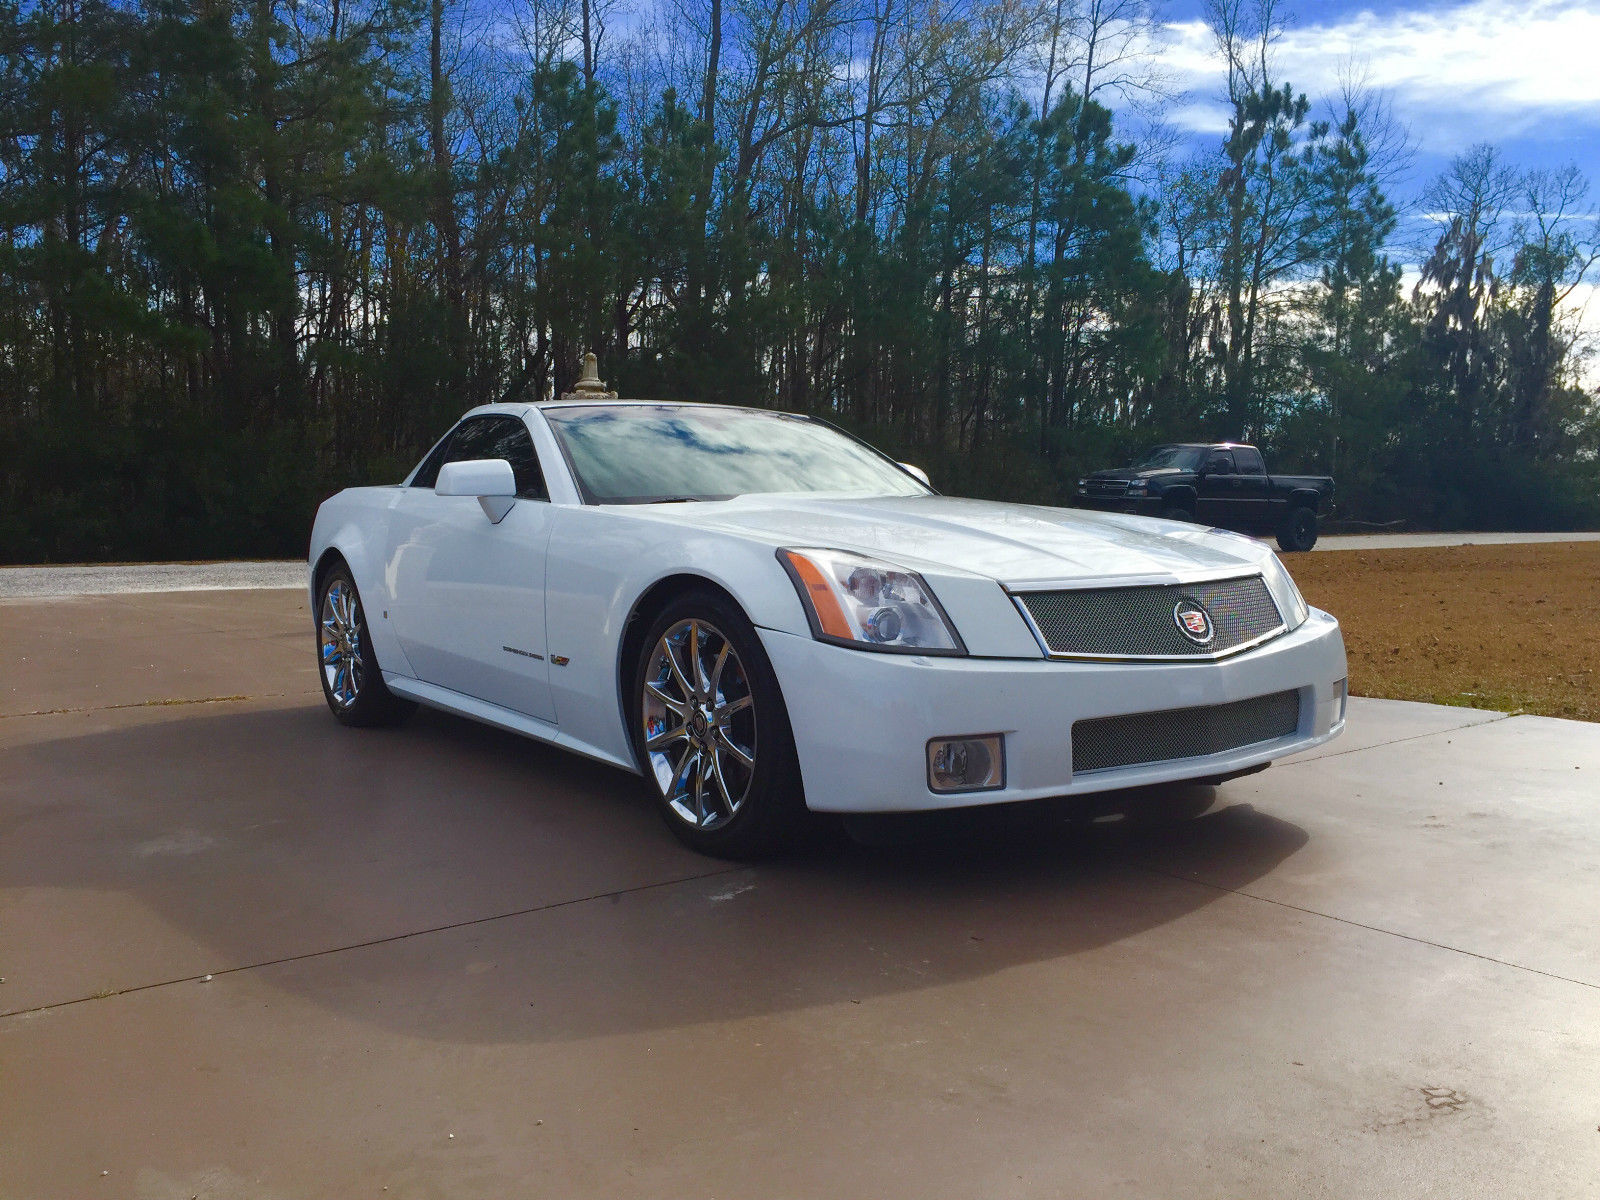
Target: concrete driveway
<point x="249" y="953"/>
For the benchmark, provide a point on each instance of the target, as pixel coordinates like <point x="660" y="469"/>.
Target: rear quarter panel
<point x="1315" y="490"/>
<point x="355" y="525"/>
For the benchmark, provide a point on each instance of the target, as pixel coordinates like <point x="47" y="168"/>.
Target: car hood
<point x="1131" y="473"/>
<point x="1017" y="545"/>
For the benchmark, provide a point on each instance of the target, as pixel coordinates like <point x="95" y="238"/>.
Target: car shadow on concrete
<point x="455" y="883"/>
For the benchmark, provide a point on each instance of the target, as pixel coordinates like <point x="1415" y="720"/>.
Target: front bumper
<point x="862" y="721"/>
<point x="1141" y="506"/>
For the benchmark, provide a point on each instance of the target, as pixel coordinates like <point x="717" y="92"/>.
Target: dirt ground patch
<point x="1503" y="627"/>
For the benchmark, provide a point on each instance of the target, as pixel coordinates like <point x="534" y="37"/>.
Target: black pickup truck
<point x="1223" y="484"/>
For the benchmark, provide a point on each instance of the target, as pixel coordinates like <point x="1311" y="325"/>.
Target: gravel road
<point x="38" y="583"/>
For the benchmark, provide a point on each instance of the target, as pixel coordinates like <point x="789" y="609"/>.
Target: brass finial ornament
<point x="589" y="386"/>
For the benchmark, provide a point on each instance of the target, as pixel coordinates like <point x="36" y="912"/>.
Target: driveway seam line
<point x="1494" y="720"/>
<point x="1409" y="937"/>
<point x="383" y="941"/>
<point x="174" y="703"/>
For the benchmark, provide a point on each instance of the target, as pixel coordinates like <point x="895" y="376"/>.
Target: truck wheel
<point x="1178" y="511"/>
<point x="1299" y="529"/>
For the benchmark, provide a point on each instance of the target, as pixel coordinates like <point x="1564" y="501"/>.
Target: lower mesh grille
<point x="1106" y="742"/>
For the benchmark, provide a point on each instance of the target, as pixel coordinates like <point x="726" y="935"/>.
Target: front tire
<point x="1299" y="529"/>
<point x="711" y="732"/>
<point x="352" y="681"/>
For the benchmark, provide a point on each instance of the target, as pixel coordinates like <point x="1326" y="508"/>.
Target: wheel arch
<point x="320" y="569"/>
<point x="1182" y="495"/>
<point x="346" y="548"/>
<point x="646" y="607"/>
<point x="348" y="531"/>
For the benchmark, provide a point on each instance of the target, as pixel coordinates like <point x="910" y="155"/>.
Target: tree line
<point x="255" y="250"/>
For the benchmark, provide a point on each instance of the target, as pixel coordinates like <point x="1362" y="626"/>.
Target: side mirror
<point x="916" y="471"/>
<point x="491" y="480"/>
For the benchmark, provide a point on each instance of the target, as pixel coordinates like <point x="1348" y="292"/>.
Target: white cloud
<point x="1462" y="73"/>
<point x="1582" y="307"/>
<point x="1199" y="116"/>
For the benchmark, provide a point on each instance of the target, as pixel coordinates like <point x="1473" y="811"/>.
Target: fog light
<point x="1341" y="693"/>
<point x="967" y="764"/>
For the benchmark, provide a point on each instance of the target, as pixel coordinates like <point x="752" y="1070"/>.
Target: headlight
<point x="1281" y="584"/>
<point x="855" y="601"/>
<point x="1137" y="487"/>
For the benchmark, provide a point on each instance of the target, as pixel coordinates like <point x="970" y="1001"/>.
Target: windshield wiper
<point x="676" y="500"/>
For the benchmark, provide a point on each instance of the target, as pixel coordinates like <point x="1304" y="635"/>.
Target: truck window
<point x="1248" y="460"/>
<point x="1219" y="463"/>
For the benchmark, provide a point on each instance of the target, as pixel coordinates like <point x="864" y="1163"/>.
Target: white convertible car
<point x="762" y="615"/>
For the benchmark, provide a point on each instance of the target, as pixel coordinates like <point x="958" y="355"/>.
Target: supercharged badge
<point x="1194" y="622"/>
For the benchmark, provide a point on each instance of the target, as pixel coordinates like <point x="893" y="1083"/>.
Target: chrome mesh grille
<point x="1132" y="622"/>
<point x="1106" y="742"/>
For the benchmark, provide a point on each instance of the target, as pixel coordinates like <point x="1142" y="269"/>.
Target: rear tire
<point x="352" y="681"/>
<point x="1299" y="529"/>
<point x="711" y="733"/>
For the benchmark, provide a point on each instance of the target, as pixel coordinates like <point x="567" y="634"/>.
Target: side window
<point x="428" y="473"/>
<point x="471" y="439"/>
<point x="1220" y="463"/>
<point x="508" y="438"/>
<point x="1248" y="460"/>
<point x="489" y="437"/>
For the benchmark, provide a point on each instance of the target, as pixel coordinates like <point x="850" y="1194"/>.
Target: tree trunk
<point x="446" y="228"/>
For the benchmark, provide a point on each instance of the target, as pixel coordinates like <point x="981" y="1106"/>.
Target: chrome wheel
<point x="698" y="716"/>
<point x="342" y="668"/>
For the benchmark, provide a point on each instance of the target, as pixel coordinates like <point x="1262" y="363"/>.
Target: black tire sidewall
<point x="375" y="704"/>
<point x="1299" y="531"/>
<point x="774" y="805"/>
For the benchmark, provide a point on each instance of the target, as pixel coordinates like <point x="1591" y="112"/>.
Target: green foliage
<point x="253" y="251"/>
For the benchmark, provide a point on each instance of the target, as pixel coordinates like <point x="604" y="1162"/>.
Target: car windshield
<point x="1184" y="458"/>
<point x="648" y="453"/>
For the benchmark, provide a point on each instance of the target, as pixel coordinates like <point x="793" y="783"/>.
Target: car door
<point x="1217" y="489"/>
<point x="467" y="598"/>
<point x="1252" y="498"/>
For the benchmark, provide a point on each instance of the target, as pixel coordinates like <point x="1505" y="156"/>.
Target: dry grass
<point x="1514" y="628"/>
